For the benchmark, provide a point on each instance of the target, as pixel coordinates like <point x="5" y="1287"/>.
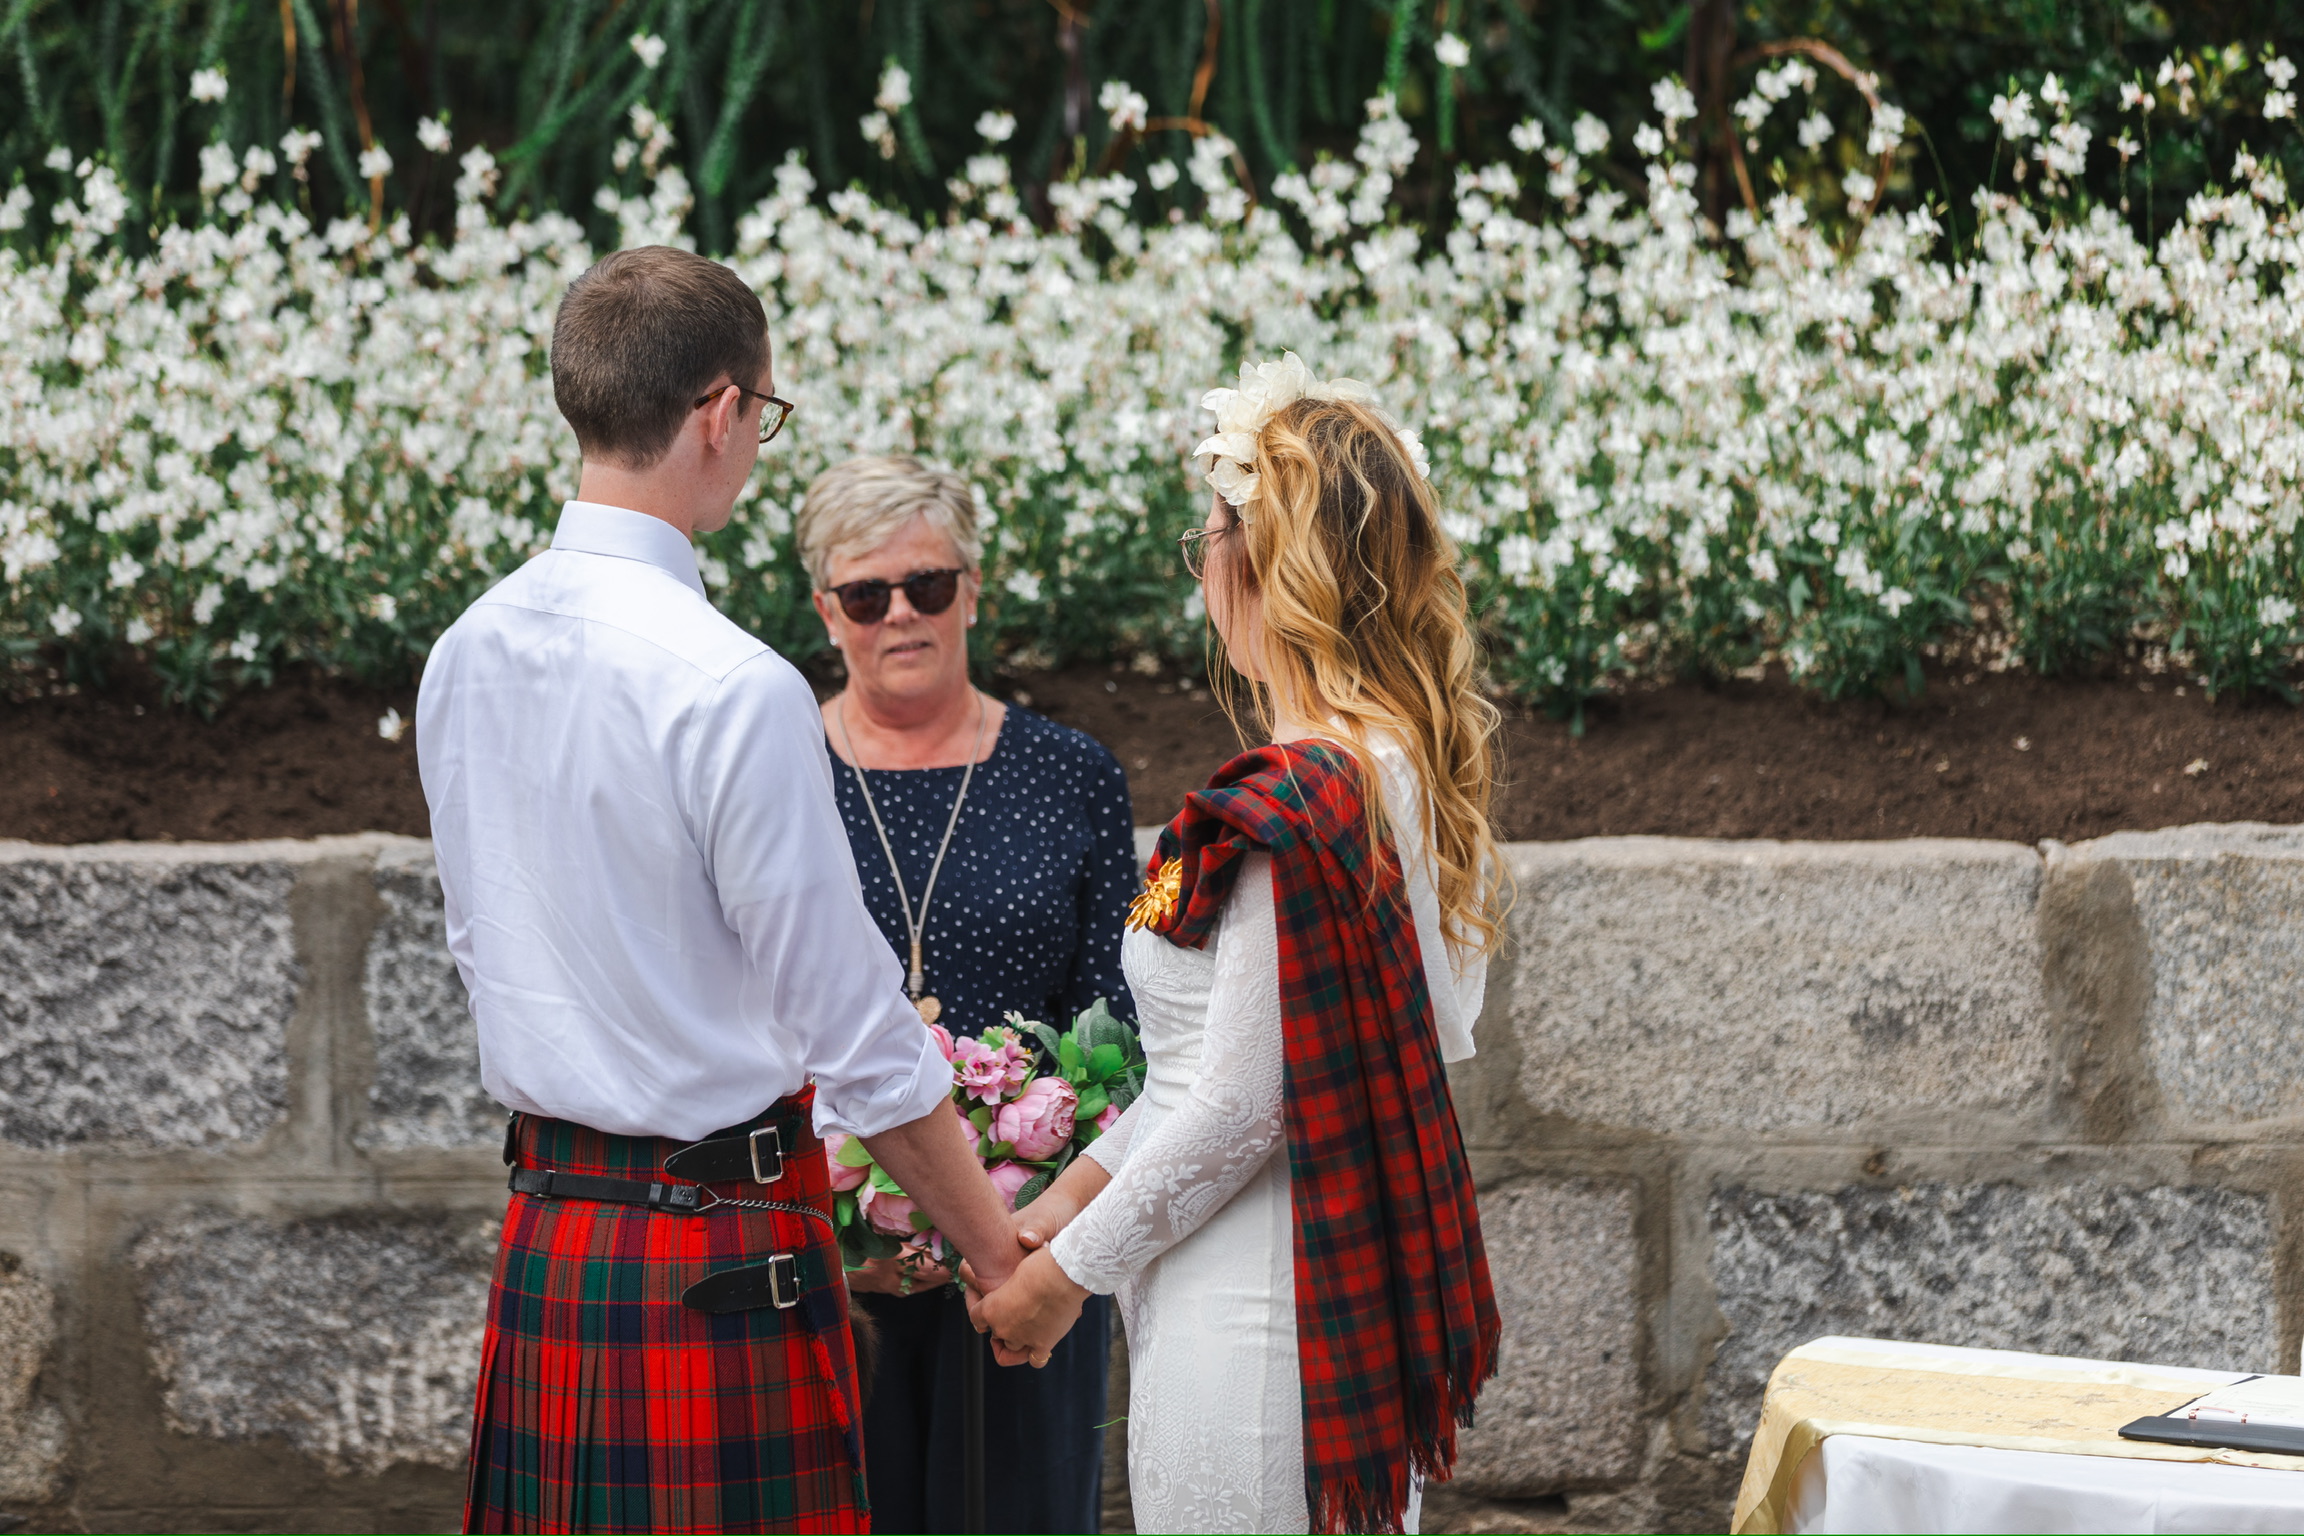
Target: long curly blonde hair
<point x="1365" y="624"/>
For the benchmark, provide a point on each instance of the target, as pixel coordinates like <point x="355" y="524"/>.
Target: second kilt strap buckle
<point x="776" y="1283"/>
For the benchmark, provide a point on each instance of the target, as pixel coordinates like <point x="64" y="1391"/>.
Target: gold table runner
<point x="2008" y="1403"/>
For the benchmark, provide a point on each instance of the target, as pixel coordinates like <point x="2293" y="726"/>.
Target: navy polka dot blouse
<point x="1028" y="912"/>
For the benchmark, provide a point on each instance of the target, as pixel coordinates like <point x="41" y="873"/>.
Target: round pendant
<point x="930" y="1009"/>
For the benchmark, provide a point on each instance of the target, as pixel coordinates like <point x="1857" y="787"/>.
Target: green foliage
<point x="546" y="86"/>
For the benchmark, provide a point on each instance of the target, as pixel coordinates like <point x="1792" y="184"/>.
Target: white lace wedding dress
<point x="1195" y="1233"/>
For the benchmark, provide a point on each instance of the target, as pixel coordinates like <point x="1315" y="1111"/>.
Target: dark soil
<point x="2006" y="756"/>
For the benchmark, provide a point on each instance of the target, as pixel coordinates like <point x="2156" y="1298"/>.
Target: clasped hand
<point x="1029" y="1314"/>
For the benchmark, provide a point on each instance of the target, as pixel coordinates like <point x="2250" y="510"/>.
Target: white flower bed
<point x="1841" y="444"/>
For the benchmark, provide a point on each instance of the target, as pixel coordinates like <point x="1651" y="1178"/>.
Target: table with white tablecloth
<point x="1877" y="1435"/>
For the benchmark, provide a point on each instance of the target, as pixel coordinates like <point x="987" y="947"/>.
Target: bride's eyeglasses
<point x="929" y="593"/>
<point x="1196" y="542"/>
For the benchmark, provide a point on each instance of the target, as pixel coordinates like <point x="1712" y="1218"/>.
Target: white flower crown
<point x="1266" y="389"/>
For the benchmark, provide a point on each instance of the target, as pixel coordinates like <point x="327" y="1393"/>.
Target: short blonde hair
<point x="855" y="507"/>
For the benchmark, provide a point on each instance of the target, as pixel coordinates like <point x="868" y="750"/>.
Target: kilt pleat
<point x="606" y="1405"/>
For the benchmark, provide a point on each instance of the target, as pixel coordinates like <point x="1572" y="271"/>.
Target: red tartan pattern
<point x="606" y="1405"/>
<point x="1396" y="1325"/>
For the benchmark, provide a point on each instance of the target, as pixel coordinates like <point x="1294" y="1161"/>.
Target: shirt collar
<point x="589" y="528"/>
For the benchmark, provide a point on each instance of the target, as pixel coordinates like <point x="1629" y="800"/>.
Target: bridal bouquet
<point x="1026" y="1097"/>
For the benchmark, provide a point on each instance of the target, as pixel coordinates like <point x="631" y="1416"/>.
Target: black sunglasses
<point x="929" y="592"/>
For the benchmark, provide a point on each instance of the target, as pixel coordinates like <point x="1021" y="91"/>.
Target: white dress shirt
<point x="649" y="891"/>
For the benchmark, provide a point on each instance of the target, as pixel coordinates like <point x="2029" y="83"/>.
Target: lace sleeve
<point x="1111" y="1148"/>
<point x="1180" y="1172"/>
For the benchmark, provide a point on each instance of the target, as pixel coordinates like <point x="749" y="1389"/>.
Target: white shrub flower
<point x="433" y="134"/>
<point x="895" y="90"/>
<point x="1814" y="129"/>
<point x="1590" y="135"/>
<point x="375" y="161"/>
<point x="209" y="84"/>
<point x="996" y="127"/>
<point x="1528" y="136"/>
<point x="647" y="49"/>
<point x="1123" y="107"/>
<point x="1452" y="51"/>
<point x="1161" y="174"/>
<point x="2015" y="117"/>
<point x="1674" y="102"/>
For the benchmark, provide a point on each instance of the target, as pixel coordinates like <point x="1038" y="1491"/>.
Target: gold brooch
<point x="1158" y="898"/>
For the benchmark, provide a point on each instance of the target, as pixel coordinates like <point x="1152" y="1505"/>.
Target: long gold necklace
<point x="915" y="984"/>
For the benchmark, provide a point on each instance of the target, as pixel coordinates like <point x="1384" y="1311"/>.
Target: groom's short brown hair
<point x="639" y="337"/>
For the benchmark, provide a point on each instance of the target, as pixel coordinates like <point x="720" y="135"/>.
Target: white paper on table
<point x="2274" y="1400"/>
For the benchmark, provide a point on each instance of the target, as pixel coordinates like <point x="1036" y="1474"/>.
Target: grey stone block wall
<point x="144" y="999"/>
<point x="1728" y="1097"/>
<point x="426" y="1091"/>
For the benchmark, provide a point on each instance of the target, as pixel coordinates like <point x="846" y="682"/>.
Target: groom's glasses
<point x="773" y="411"/>
<point x="929" y="593"/>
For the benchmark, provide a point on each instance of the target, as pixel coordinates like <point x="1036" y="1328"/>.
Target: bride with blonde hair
<point x="1286" y="1214"/>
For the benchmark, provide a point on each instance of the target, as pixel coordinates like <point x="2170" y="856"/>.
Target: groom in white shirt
<point x="677" y="986"/>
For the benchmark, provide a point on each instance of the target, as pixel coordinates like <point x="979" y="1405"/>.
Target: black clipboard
<point x="2228" y="1434"/>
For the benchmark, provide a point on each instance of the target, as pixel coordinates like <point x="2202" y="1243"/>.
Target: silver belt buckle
<point x="784" y="1279"/>
<point x="775" y="1137"/>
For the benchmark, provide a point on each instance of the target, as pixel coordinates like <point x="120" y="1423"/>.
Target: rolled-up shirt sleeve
<point x="822" y="977"/>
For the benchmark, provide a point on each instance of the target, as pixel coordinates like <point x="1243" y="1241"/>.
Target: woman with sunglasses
<point x="997" y="852"/>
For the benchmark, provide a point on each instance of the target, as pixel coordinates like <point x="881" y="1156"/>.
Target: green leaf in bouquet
<point x="1048" y="1038"/>
<point x="981" y="1118"/>
<point x="852" y="1154"/>
<point x="1068" y="1055"/>
<point x="1098" y="1028"/>
<point x="1034" y="1187"/>
<point x="861" y="1244"/>
<point x="1104" y="1061"/>
<point x="883" y="1183"/>
<point x="844" y="1208"/>
<point x="999" y="1152"/>
<point x="1092" y="1102"/>
<point x="922" y="1221"/>
<point x="1125" y="1092"/>
<point x="1064" y="1156"/>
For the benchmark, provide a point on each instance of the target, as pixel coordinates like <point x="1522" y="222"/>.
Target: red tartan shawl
<point x="1396" y="1326"/>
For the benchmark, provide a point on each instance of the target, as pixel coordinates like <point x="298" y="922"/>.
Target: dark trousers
<point x="1041" y="1434"/>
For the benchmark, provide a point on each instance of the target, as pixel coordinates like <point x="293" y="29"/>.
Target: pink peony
<point x="888" y="1213"/>
<point x="1112" y="1112"/>
<point x="989" y="1073"/>
<point x="842" y="1178"/>
<point x="1039" y="1122"/>
<point x="943" y="1038"/>
<point x="1008" y="1178"/>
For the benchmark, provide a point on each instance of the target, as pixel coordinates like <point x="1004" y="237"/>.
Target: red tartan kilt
<point x="606" y="1405"/>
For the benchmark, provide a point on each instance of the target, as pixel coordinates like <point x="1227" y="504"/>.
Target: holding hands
<point x="1029" y="1314"/>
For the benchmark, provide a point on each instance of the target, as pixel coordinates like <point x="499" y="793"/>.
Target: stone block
<point x="2222" y="910"/>
<point x="31" y="1428"/>
<point x="1682" y="987"/>
<point x="1565" y="1405"/>
<point x="145" y="995"/>
<point x="2161" y="1276"/>
<point x="355" y="1338"/>
<point x="426" y="1092"/>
